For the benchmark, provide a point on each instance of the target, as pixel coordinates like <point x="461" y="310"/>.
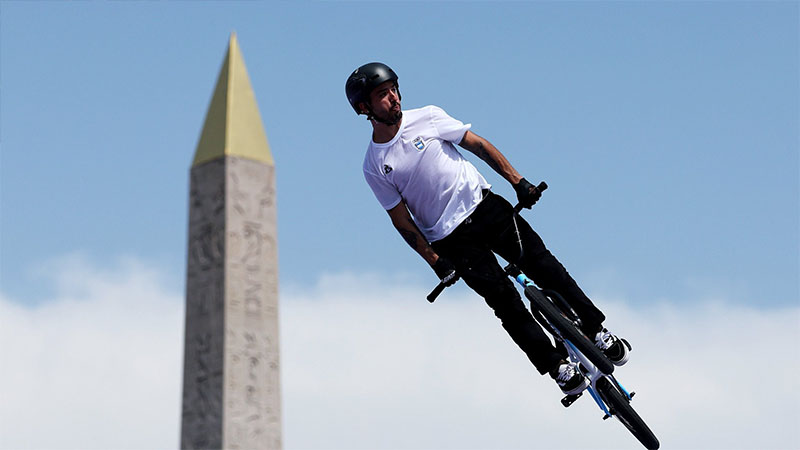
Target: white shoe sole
<point x="579" y="388"/>
<point x="627" y="354"/>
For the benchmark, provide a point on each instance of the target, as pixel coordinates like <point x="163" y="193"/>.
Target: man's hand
<point x="527" y="194"/>
<point x="446" y="271"/>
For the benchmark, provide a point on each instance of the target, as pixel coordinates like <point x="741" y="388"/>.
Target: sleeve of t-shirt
<point x="384" y="191"/>
<point x="449" y="128"/>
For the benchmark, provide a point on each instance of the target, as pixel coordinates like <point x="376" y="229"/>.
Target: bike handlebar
<point x="541" y="187"/>
<point x="440" y="287"/>
<point x="435" y="292"/>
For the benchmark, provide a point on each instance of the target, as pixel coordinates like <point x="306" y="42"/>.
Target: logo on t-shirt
<point x="419" y="144"/>
<point x="386" y="169"/>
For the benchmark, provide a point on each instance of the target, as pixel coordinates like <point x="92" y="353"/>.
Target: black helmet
<point x="366" y="78"/>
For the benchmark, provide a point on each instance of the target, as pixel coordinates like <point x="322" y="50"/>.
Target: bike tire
<point x="553" y="315"/>
<point x="620" y="407"/>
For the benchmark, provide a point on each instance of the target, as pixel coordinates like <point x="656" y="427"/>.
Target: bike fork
<point x="591" y="371"/>
<point x="600" y="401"/>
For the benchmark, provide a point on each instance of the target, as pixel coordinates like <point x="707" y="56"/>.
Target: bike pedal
<point x="570" y="399"/>
<point x="632" y="394"/>
<point x="606" y="417"/>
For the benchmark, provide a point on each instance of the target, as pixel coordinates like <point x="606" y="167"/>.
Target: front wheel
<point x="620" y="407"/>
<point x="567" y="329"/>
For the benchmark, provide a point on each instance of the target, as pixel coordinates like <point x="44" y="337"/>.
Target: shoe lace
<point x="566" y="373"/>
<point x="604" y="340"/>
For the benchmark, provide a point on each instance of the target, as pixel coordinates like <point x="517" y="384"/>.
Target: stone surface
<point x="231" y="396"/>
<point x="204" y="346"/>
<point x="252" y="395"/>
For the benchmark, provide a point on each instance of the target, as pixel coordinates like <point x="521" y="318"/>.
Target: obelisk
<point x="231" y="383"/>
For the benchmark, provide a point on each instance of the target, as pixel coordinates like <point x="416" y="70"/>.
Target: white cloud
<point x="98" y="366"/>
<point x="370" y="364"/>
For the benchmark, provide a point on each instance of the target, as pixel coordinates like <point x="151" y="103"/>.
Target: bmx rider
<point x="445" y="210"/>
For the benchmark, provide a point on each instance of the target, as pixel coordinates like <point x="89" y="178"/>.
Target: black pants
<point x="471" y="247"/>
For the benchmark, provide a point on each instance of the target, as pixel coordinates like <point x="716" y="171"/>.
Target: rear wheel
<point x="620" y="407"/>
<point x="540" y="303"/>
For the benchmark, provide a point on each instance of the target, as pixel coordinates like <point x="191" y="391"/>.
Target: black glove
<point x="446" y="271"/>
<point x="527" y="194"/>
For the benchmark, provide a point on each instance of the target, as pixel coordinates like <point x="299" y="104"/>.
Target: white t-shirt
<point x="422" y="167"/>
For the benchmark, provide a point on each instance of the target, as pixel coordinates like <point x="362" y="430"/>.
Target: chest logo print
<point x="386" y="169"/>
<point x="419" y="144"/>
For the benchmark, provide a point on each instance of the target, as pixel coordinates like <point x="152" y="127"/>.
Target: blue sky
<point x="667" y="131"/>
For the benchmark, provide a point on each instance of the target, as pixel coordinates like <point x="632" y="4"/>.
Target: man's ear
<point x="362" y="108"/>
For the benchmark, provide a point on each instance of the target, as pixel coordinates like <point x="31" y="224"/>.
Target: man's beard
<point x="392" y="118"/>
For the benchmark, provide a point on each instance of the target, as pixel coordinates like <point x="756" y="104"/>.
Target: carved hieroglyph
<point x="251" y="329"/>
<point x="203" y="368"/>
<point x="231" y="368"/>
<point x="231" y="382"/>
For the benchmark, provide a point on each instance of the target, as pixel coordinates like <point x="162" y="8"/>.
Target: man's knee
<point x="508" y="306"/>
<point x="545" y="270"/>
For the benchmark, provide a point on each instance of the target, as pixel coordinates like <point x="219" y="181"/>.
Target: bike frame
<point x="589" y="370"/>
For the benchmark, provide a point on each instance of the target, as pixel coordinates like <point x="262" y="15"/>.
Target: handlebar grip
<point x="435" y="292"/>
<point x="541" y="187"/>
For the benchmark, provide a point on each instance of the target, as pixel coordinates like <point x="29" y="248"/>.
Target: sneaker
<point x="569" y="378"/>
<point x="616" y="349"/>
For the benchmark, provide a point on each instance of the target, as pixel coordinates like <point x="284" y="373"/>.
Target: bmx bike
<point x="555" y="315"/>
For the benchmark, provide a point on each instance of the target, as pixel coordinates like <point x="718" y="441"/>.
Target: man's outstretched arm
<point x="484" y="150"/>
<point x="402" y="221"/>
<point x="527" y="194"/>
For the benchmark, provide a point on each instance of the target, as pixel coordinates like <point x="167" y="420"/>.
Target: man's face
<point x="385" y="101"/>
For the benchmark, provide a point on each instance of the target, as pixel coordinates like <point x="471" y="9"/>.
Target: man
<point x="444" y="209"/>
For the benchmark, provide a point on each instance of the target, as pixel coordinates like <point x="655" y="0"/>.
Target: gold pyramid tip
<point x="233" y="124"/>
